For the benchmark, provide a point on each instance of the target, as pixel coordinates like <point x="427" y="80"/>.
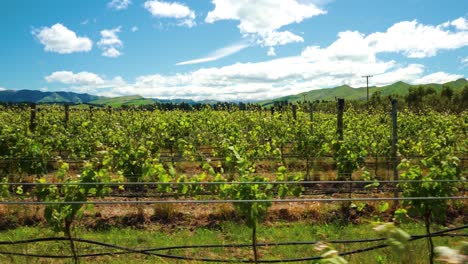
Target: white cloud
<point x="217" y="54"/>
<point x="406" y="74"/>
<point x="344" y="61"/>
<point x="175" y="10"/>
<point x="86" y="82"/>
<point x="134" y="29"/>
<point x="262" y="19"/>
<point x="464" y="61"/>
<point x="80" y="78"/>
<point x="437" y="77"/>
<point x="3" y="89"/>
<point x="416" y="40"/>
<point x="111" y="53"/>
<point x="350" y="45"/>
<point x="60" y="39"/>
<point x="408" y="37"/>
<point x="259" y="81"/>
<point x="262" y="16"/>
<point x="275" y="38"/>
<point x="110" y="42"/>
<point x="460" y="23"/>
<point x="119" y="4"/>
<point x="271" y="52"/>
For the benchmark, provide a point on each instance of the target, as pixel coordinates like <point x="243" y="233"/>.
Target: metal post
<point x="367" y="84"/>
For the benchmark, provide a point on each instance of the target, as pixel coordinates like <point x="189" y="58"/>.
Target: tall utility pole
<point x="367" y="81"/>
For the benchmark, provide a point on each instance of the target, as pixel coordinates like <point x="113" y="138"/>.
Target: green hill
<point x="123" y="100"/>
<point x="53" y="98"/>
<point x="347" y="92"/>
<point x="34" y="96"/>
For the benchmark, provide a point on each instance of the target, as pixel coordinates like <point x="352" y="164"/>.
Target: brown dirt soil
<point x="173" y="216"/>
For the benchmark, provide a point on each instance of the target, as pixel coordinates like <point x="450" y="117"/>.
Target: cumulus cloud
<point x="263" y="19"/>
<point x="416" y="40"/>
<point x="86" y="82"/>
<point x="275" y="38"/>
<point x="255" y="81"/>
<point x="181" y="12"/>
<point x="410" y="38"/>
<point x="262" y="80"/>
<point x="262" y="16"/>
<point x="60" y="39"/>
<point x="110" y="42"/>
<point x="460" y="23"/>
<point x="217" y="54"/>
<point x="80" y="78"/>
<point x="437" y="77"/>
<point x="111" y="52"/>
<point x="134" y="29"/>
<point x="344" y="61"/>
<point x="350" y="45"/>
<point x="3" y="88"/>
<point x="119" y="4"/>
<point x="406" y="74"/>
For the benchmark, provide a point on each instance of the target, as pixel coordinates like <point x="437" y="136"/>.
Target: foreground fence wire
<point x="148" y="202"/>
<point x="121" y="250"/>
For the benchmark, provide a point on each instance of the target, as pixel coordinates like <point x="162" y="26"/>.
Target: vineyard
<point x="62" y="161"/>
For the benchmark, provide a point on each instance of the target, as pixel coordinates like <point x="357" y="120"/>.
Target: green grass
<point x="415" y="252"/>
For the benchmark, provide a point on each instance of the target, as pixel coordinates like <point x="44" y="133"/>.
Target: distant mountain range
<point x="344" y="91"/>
<point x="34" y="96"/>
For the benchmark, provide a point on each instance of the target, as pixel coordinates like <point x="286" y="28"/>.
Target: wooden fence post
<point x="67" y="114"/>
<point x="32" y="121"/>
<point x="394" y="149"/>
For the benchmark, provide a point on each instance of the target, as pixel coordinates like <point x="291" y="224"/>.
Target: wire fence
<point x="167" y="251"/>
<point x="232" y="182"/>
<point x="326" y="188"/>
<point x="156" y="252"/>
<point x="202" y="201"/>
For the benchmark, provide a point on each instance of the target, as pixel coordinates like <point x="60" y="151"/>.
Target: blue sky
<point x="228" y="49"/>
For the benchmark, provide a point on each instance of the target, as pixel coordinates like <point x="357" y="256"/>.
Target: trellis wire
<point x="228" y="182"/>
<point x="303" y="200"/>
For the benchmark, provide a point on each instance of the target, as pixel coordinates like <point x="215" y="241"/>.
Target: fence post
<point x="394" y="149"/>
<point x="311" y="117"/>
<point x="339" y="127"/>
<point x="32" y="122"/>
<point x="67" y="114"/>
<point x="294" y="111"/>
<point x="339" y="131"/>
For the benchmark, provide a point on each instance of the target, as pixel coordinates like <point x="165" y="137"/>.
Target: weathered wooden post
<point x="395" y="149"/>
<point x="32" y="121"/>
